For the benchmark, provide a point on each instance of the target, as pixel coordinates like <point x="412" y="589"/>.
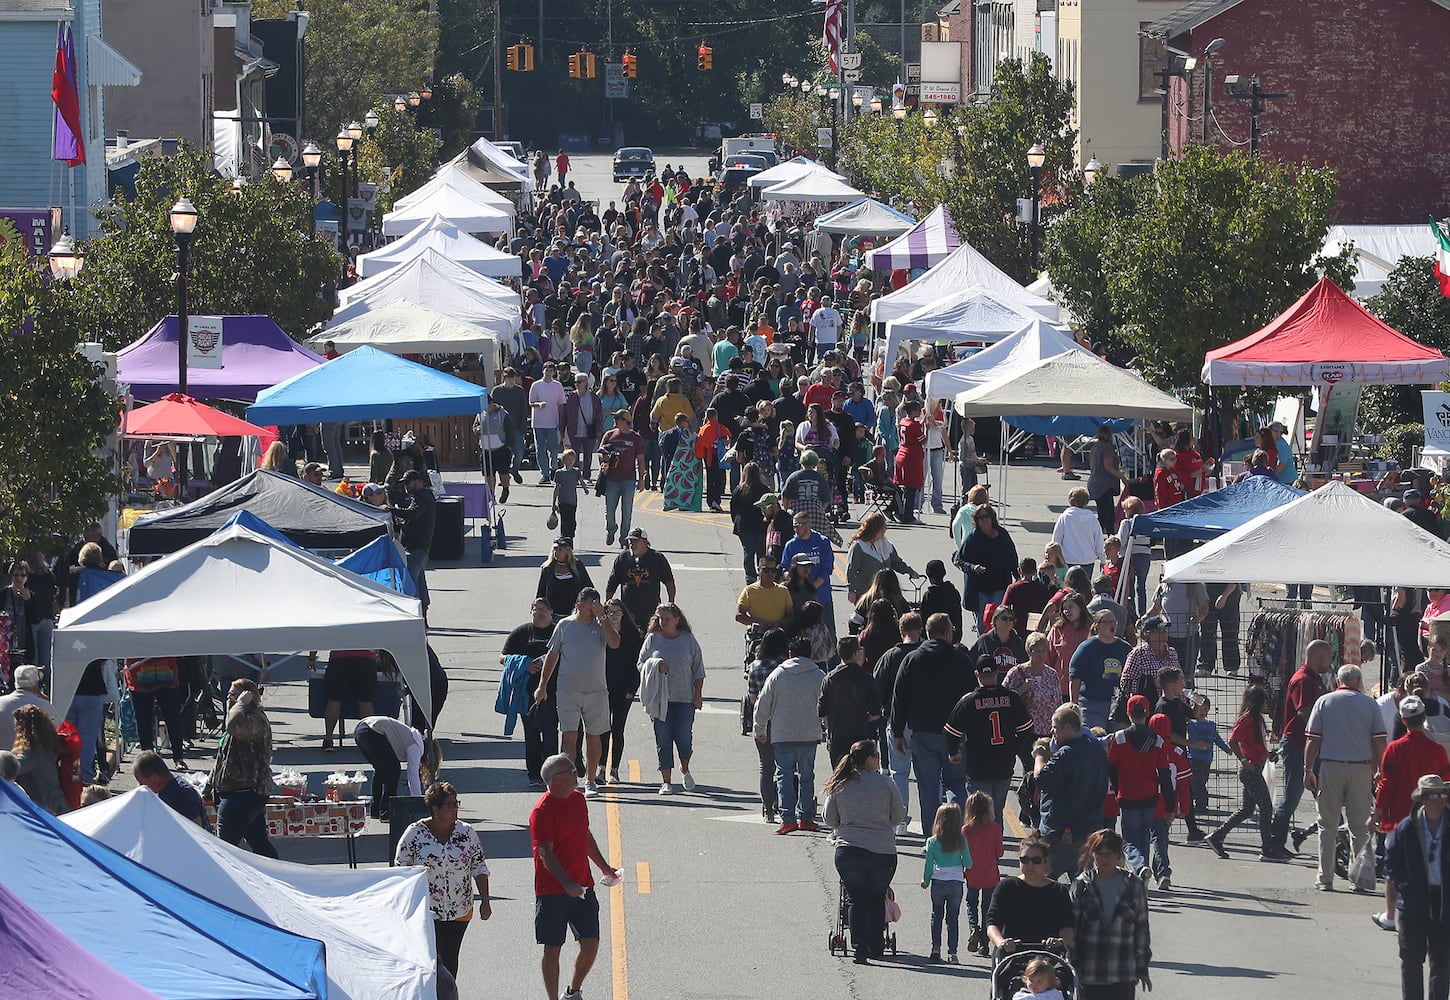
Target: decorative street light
<point x="805" y="86"/>
<point x="282" y="170"/>
<point x="400" y="103"/>
<point x="899" y="113"/>
<point x="787" y="79"/>
<point x="876" y="105"/>
<point x="426" y="93"/>
<point x="1036" y="158"/>
<point x="183" y="218"/>
<point x="928" y="118"/>
<point x="415" y="99"/>
<point x="857" y="99"/>
<point x="66" y="260"/>
<point x="312" y="160"/>
<point x="345" y="145"/>
<point x="1090" y="171"/>
<point x="239" y="185"/>
<point x="820" y="90"/>
<point x="355" y="131"/>
<point x="370" y="121"/>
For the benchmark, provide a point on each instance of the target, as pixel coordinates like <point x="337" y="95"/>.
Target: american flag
<point x="833" y="34"/>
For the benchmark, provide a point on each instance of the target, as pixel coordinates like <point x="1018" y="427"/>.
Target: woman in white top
<point x="936" y="453"/>
<point x="1137" y="557"/>
<point x="389" y="744"/>
<point x="450" y="850"/>
<point x="680" y="664"/>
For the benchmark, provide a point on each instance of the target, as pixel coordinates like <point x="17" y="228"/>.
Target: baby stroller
<point x="1007" y="972"/>
<point x="838" y="941"/>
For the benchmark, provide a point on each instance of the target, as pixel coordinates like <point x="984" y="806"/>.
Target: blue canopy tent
<point x="366" y="384"/>
<point x="381" y="561"/>
<point x="151" y="930"/>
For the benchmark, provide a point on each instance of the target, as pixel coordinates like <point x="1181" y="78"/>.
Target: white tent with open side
<point x="965" y="267"/>
<point x="865" y="218"/>
<point x="972" y="315"/>
<point x="446" y="288"/>
<point x="814" y="186"/>
<point x="1334" y="536"/>
<point x="493" y="164"/>
<point x="458" y="207"/>
<point x="1075" y="383"/>
<point x="793" y="169"/>
<point x="455" y="174"/>
<point x="1017" y="352"/>
<point x="374" y="922"/>
<point x="404" y="327"/>
<point x="237" y="591"/>
<point x="440" y="235"/>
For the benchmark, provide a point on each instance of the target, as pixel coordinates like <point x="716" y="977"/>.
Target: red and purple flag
<point x="68" y="142"/>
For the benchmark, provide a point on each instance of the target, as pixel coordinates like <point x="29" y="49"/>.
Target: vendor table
<point x="315" y="819"/>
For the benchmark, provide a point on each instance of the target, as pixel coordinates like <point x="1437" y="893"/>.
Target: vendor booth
<point x="404" y="327"/>
<point x="458" y="207"/>
<point x="865" y="218"/>
<point x="375" y="923"/>
<point x="160" y="935"/>
<point x="929" y="242"/>
<point x="793" y="169"/>
<point x="1075" y="383"/>
<point x="1035" y="341"/>
<point x="964" y="268"/>
<point x="256" y="353"/>
<point x="449" y="289"/>
<point x="454" y="244"/>
<point x="455" y="174"/>
<point x="239" y="591"/>
<point x="970" y="316"/>
<point x="367" y="384"/>
<point x="812" y="187"/>
<point x="495" y="166"/>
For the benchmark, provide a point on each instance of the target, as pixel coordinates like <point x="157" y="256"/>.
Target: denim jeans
<point x="1138" y="567"/>
<point x="516" y="445"/>
<point x="40" y="634"/>
<point x="242" y="815"/>
<point x="1158" y="834"/>
<point x="675" y="731"/>
<point x="1136" y="823"/>
<point x="901" y="766"/>
<point x="1291" y="773"/>
<point x="1094" y="713"/>
<point x="769" y="796"/>
<point x="584" y="448"/>
<point x="541" y="735"/>
<point x="792" y="760"/>
<point x="865" y="876"/>
<point x="88" y="714"/>
<point x="418" y="570"/>
<point x="935" y="464"/>
<point x="979" y="606"/>
<point x="655" y="461"/>
<point x="546" y="446"/>
<point x="946" y="902"/>
<point x="752" y="547"/>
<point x="935" y="774"/>
<point x="979" y="901"/>
<point x="618" y="505"/>
<point x="995" y="789"/>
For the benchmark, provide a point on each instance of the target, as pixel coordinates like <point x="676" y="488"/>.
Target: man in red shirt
<point x="561" y="166"/>
<point x="1305" y="688"/>
<point x="1405" y="761"/>
<point x="563" y="884"/>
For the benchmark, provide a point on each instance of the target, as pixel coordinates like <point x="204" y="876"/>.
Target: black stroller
<point x="1007" y="972"/>
<point x="838" y="940"/>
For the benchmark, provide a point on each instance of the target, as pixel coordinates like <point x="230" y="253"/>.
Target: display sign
<point x="368" y="195"/>
<point x="1437" y="421"/>
<point x="204" y="342"/>
<point x="31" y="226"/>
<point x="850" y="60"/>
<point x="823" y="138"/>
<point x="616" y="84"/>
<point x="757" y="112"/>
<point x="852" y="75"/>
<point x="941" y="93"/>
<point x="913" y="72"/>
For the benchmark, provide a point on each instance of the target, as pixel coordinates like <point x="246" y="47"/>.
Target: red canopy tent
<point x="1325" y="338"/>
<point x="178" y="416"/>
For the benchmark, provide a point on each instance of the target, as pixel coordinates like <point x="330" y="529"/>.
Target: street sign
<point x="865" y="93"/>
<point x="757" y="112"/>
<point x="941" y="93"/>
<point x="823" y="138"/>
<point x="852" y="75"/>
<point x="850" y="60"/>
<point x="913" y="72"/>
<point x="616" y="84"/>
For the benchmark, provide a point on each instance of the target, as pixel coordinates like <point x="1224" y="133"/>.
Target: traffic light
<point x="706" y="59"/>
<point x="589" y="64"/>
<point x="576" y="70"/>
<point x="630" y="64"/>
<point x="521" y="58"/>
<point x="513" y="57"/>
<point x="528" y="52"/>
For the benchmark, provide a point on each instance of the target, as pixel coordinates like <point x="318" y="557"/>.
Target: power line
<point x="1226" y="137"/>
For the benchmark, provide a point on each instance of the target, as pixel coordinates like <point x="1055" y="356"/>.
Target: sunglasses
<point x="1031" y="859"/>
<point x="1435" y="796"/>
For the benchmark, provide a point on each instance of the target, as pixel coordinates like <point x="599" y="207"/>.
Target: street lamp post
<point x="1208" y="52"/>
<point x="1036" y="157"/>
<point x="183" y="217"/>
<point x="1090" y="171"/>
<point x="66" y="260"/>
<point x="312" y="160"/>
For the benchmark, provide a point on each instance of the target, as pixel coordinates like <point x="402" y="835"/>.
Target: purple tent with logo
<point x="931" y="240"/>
<point x="37" y="959"/>
<point x="256" y="355"/>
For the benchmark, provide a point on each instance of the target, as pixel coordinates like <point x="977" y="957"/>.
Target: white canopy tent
<point x="1075" y="383"/>
<point x="970" y="315"/>
<point x="1378" y="250"/>
<point x="814" y="186"/>
<point x="457" y="207"/>
<point x="448" y="240"/>
<point x="792" y="169"/>
<point x="1334" y="536"/>
<point x="454" y="174"/>
<point x="865" y="218"/>
<point x="237" y="591"/>
<point x="1017" y="352"/>
<point x="447" y="288"/>
<point x="963" y="268"/>
<point x="404" y="327"/>
<point x="494" y="164"/>
<point x="375" y="922"/>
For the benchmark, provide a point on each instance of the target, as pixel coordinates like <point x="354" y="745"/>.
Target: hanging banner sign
<point x="1437" y="421"/>
<point x="204" y="342"/>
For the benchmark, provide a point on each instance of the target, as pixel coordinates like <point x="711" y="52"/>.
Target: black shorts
<point x="350" y="677"/>
<point x="500" y="460"/>
<point x="554" y="913"/>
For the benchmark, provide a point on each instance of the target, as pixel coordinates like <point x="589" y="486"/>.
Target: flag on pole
<point x="68" y="142"/>
<point x="1442" y="256"/>
<point x="833" y="34"/>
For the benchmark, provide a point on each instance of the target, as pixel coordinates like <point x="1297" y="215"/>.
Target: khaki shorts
<point x="592" y="707"/>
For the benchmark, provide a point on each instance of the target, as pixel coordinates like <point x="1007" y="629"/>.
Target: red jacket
<point x="710" y="432"/>
<point x="1405" y="761"/>
<point x="1305" y="688"/>
<point x="1138" y="766"/>
<point x="1181" y="772"/>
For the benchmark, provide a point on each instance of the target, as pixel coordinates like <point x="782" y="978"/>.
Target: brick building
<point x="1365" y="80"/>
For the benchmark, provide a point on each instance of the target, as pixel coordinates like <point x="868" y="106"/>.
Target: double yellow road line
<point x="618" y="943"/>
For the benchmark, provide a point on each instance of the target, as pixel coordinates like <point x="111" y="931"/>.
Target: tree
<point x="253" y="253"/>
<point x="1412" y="303"/>
<point x="400" y="144"/>
<point x="54" y="413"/>
<point x="794" y="117"/>
<point x="453" y="111"/>
<point x="1207" y="250"/>
<point x="358" y="53"/>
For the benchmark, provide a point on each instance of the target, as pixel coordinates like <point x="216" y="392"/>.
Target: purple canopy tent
<point x="256" y="355"/>
<point x="37" y="959"/>
<point x="931" y="240"/>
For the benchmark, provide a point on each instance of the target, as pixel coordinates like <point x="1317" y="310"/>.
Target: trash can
<point x="403" y="811"/>
<point x="448" y="530"/>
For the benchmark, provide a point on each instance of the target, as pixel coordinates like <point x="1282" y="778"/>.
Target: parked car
<point x="633" y="161"/>
<point x="514" y="148"/>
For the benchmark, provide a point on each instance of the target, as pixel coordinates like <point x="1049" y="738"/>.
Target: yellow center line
<point x="634" y="772"/>
<point x="641" y="877"/>
<point x="1010" y="814"/>
<point x="616" y="896"/>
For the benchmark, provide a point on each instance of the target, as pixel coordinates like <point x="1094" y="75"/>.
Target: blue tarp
<point x="366" y="384"/>
<point x="156" y="933"/>
<point x="1212" y="514"/>
<point x="1069" y="426"/>
<point x="380" y="560"/>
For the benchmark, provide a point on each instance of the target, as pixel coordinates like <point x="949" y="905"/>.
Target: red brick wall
<point x="1368" y="80"/>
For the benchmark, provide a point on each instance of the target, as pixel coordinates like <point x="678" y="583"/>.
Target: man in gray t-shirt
<point x="576" y="650"/>
<point x="1184" y="605"/>
<point x="1344" y="740"/>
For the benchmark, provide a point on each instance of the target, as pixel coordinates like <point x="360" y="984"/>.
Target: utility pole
<point x="1249" y="90"/>
<point x="497" y="70"/>
<point x="1164" y="75"/>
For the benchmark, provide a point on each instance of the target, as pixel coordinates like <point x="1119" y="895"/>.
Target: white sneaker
<point x="688" y="780"/>
<point x="665" y="788"/>
<point x="591" y="790"/>
<point x="614" y="776"/>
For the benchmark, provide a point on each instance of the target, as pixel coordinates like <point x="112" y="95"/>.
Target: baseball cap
<point x="1278" y="425"/>
<point x="1412" y="496"/>
<point x="767" y="500"/>
<point x="621" y="414"/>
<point x="987" y="664"/>
<point x="1138" y="703"/>
<point x="413" y="476"/>
<point x="802" y="559"/>
<point x="638" y="533"/>
<point x="373" y="489"/>
<point x="1412" y="707"/>
<point x="1160" y="723"/>
<point x="314" y="469"/>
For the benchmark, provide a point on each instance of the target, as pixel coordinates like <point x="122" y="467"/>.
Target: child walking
<point x="567" y="479"/>
<point x="1248" y="743"/>
<point x="984" y="844"/>
<point x="1202" y="729"/>
<point x="947" y="859"/>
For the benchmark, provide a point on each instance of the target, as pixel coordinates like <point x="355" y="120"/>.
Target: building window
<point x="1153" y="58"/>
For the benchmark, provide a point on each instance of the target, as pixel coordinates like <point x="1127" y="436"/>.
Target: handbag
<point x="553" y="520"/>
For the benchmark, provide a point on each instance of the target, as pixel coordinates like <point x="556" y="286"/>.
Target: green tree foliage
<point x="974" y="160"/>
<point x="1205" y="251"/>
<point x="453" y="110"/>
<point x="795" y="117"/>
<point x="54" y="414"/>
<point x="1410" y="301"/>
<point x="253" y="253"/>
<point x="358" y="53"/>
<point x="401" y="144"/>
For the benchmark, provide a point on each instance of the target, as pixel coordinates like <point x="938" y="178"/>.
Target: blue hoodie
<point x="822" y="557"/>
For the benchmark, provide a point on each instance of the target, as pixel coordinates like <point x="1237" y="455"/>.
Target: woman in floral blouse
<point x="450" y="850"/>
